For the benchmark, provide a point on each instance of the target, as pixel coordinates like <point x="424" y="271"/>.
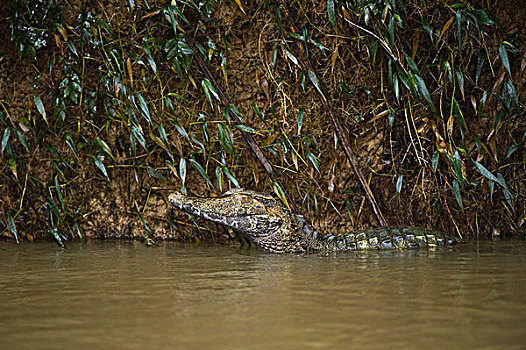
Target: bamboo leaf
<point x="330" y="11"/>
<point x="291" y="57"/>
<point x="399" y="183"/>
<point x="445" y="27"/>
<point x="100" y="165"/>
<point x="460" y="80"/>
<point x="23" y="140"/>
<point x="226" y="140"/>
<point x="143" y="107"/>
<point x="299" y="120"/>
<point x="486" y="173"/>
<point x="40" y="107"/>
<point x="231" y="176"/>
<point x="506" y="190"/>
<point x="12" y="227"/>
<point x="104" y="146"/>
<point x="71" y="144"/>
<point x="59" y="193"/>
<point x="458" y="169"/>
<point x="458" y="196"/>
<point x="5" y="138"/>
<point x="314" y="161"/>
<point x="155" y="174"/>
<point x="72" y="47"/>
<point x="182" y="170"/>
<point x="460" y="117"/>
<point x="434" y="161"/>
<point x="412" y="65"/>
<point x="314" y="79"/>
<point x="480" y="64"/>
<point x="201" y="171"/>
<point x="211" y="88"/>
<point x="504" y="58"/>
<point x="149" y="57"/>
<point x="245" y="128"/>
<point x="57" y="236"/>
<point x="512" y="93"/>
<point x="425" y="92"/>
<point x="137" y="134"/>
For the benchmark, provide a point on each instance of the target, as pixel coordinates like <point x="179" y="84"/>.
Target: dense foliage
<point x="103" y="110"/>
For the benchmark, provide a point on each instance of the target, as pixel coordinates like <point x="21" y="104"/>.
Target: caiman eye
<point x="243" y="198"/>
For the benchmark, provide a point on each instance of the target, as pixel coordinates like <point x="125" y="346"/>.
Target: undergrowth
<point x="115" y="105"/>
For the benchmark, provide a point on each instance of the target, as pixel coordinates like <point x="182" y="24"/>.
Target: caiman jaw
<point x="248" y="212"/>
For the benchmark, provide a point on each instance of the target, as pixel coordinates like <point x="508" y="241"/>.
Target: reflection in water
<point x="108" y="294"/>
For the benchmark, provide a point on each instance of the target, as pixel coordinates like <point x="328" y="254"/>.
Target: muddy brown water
<point x="119" y="294"/>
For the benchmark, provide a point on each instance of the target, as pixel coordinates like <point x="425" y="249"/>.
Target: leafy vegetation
<point x="104" y="109"/>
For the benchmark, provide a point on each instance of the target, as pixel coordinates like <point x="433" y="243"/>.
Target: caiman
<point x="268" y="223"/>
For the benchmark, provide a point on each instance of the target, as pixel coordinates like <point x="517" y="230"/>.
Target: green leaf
<point x="143" y="107"/>
<point x="425" y="93"/>
<point x="460" y="80"/>
<point x="314" y="79"/>
<point x="149" y="57"/>
<point x="511" y="150"/>
<point x="480" y="64"/>
<point x="332" y="15"/>
<point x="512" y="93"/>
<point x="219" y="179"/>
<point x="412" y="65"/>
<point x="226" y="140"/>
<point x="5" y="138"/>
<point x="155" y="174"/>
<point x="59" y="193"/>
<point x="236" y="112"/>
<point x="72" y="47"/>
<point x="137" y="134"/>
<point x="245" y="128"/>
<point x="291" y="57"/>
<point x="395" y="86"/>
<point x="314" y="161"/>
<point x="104" y="146"/>
<point x="201" y="171"/>
<point x="207" y="94"/>
<point x="458" y="196"/>
<point x="211" y="88"/>
<point x="182" y="170"/>
<point x="434" y="161"/>
<point x="57" y="236"/>
<point x="231" y="176"/>
<point x="458" y="21"/>
<point x="12" y="227"/>
<point x="299" y="120"/>
<point x="460" y="118"/>
<point x="100" y="165"/>
<point x="164" y="137"/>
<point x="23" y="140"/>
<point x="399" y="183"/>
<point x="71" y="144"/>
<point x="40" y="107"/>
<point x="458" y="169"/>
<point x="486" y="173"/>
<point x="504" y="58"/>
<point x="506" y="190"/>
<point x="182" y="132"/>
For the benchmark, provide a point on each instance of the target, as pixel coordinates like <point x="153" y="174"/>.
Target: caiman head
<point x="261" y="217"/>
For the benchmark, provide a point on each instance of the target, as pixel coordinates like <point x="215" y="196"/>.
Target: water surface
<point x="119" y="294"/>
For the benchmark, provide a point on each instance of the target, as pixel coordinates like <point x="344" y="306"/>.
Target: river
<point x="121" y="294"/>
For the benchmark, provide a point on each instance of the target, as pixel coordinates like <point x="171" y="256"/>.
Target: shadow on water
<point x="123" y="294"/>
